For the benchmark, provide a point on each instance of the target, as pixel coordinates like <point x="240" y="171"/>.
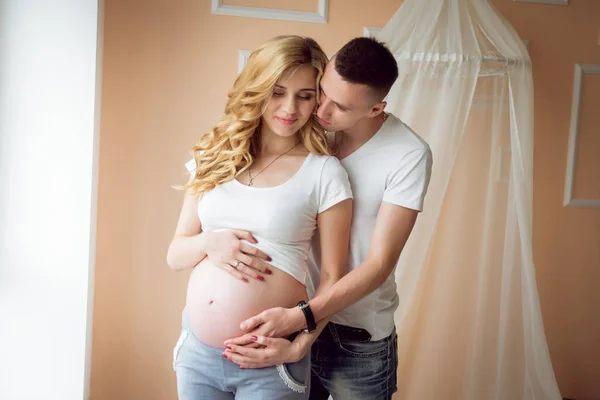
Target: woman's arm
<point x="186" y="248"/>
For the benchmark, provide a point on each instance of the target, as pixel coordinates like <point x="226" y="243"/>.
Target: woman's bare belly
<point x="217" y="302"/>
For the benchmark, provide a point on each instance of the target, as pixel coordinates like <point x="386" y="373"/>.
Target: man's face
<point x="342" y="104"/>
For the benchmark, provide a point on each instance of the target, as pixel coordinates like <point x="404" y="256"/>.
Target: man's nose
<point x="323" y="111"/>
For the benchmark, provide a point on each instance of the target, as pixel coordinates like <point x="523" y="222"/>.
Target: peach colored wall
<point x="168" y="65"/>
<point x="566" y="241"/>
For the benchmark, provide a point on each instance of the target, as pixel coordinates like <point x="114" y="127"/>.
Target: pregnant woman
<point x="263" y="168"/>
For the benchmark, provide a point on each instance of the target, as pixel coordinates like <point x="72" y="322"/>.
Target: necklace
<point x="251" y="181"/>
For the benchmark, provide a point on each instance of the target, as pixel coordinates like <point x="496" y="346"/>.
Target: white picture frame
<point x="569" y="200"/>
<point x="243" y="59"/>
<point x="371" y="31"/>
<point x="319" y="17"/>
<point x="554" y="2"/>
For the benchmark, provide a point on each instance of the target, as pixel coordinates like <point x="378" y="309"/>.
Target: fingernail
<point x="269" y="259"/>
<point x="260" y="278"/>
<point x="254" y="338"/>
<point x="224" y="355"/>
<point x="228" y="347"/>
<point x="268" y="271"/>
<point x="244" y="279"/>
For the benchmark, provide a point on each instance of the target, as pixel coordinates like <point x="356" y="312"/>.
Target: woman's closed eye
<point x="303" y="97"/>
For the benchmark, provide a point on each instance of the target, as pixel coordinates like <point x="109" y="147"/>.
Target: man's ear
<point x="377" y="109"/>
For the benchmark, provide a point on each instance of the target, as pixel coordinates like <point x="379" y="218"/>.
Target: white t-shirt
<point x="394" y="166"/>
<point x="282" y="218"/>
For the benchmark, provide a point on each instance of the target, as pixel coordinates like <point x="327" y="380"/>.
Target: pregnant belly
<point x="217" y="302"/>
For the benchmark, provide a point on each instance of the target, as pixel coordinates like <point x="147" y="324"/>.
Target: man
<point x="355" y="356"/>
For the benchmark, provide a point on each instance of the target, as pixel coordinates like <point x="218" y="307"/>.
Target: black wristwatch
<point x="311" y="324"/>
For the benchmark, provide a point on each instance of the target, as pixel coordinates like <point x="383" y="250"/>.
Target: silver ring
<point x="237" y="264"/>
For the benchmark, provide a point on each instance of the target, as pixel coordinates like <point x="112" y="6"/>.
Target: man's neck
<point x="352" y="139"/>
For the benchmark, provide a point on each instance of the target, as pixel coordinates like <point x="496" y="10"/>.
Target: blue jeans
<point x="348" y="368"/>
<point x="203" y="374"/>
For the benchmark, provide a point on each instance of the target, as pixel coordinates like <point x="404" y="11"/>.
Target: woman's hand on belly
<point x="270" y="352"/>
<point x="277" y="322"/>
<point x="226" y="250"/>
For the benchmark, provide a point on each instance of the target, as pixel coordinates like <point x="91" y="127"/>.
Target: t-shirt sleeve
<point x="407" y="185"/>
<point x="334" y="186"/>
<point x="191" y="166"/>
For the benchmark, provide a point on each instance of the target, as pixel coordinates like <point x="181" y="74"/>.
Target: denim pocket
<point x="365" y="350"/>
<point x="177" y="348"/>
<point x="295" y="375"/>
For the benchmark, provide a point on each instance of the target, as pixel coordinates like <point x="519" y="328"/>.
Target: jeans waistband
<point x="350" y="333"/>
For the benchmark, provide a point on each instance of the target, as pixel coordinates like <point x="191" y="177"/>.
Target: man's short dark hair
<point x="369" y="62"/>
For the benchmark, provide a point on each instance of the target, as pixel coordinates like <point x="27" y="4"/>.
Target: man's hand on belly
<point x="226" y="250"/>
<point x="275" y="322"/>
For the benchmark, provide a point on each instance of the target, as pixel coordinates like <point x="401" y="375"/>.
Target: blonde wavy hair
<point x="230" y="147"/>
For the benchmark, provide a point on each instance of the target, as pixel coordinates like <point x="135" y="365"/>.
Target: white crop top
<point x="282" y="218"/>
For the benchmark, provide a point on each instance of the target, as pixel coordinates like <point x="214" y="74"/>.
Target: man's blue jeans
<point x="349" y="369"/>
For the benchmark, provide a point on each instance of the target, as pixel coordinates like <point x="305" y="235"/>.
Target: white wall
<point x="50" y="53"/>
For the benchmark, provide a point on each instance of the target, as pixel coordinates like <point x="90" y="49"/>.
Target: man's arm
<point x="392" y="229"/>
<point x="402" y="200"/>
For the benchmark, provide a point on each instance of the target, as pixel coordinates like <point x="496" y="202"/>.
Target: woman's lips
<point x="285" y="121"/>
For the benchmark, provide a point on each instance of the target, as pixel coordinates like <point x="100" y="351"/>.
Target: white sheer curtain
<point x="469" y="320"/>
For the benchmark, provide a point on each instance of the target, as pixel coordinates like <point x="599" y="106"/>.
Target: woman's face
<point x="293" y="101"/>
